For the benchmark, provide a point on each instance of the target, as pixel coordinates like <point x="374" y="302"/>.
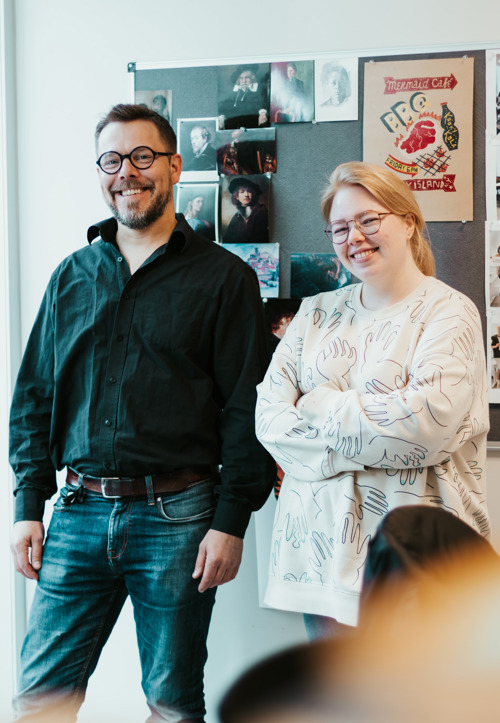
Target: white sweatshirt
<point x="366" y="411"/>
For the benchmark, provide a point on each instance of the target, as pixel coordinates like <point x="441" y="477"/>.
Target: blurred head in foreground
<point x="427" y="653"/>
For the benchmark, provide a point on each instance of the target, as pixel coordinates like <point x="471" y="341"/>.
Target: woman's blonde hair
<point x="391" y="192"/>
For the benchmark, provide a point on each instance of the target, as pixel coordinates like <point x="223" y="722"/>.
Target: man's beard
<point x="138" y="220"/>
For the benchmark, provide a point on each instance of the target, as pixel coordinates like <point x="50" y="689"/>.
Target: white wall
<point x="71" y="65"/>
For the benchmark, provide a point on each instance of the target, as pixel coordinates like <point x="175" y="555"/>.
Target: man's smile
<point x="132" y="191"/>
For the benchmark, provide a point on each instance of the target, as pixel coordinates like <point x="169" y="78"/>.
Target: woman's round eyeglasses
<point x="367" y="222"/>
<point x="141" y="157"/>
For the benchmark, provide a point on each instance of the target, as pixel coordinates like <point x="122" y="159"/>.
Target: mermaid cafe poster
<point x="418" y="122"/>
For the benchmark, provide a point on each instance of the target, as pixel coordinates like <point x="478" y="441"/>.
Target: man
<point x="204" y="157"/>
<point x="248" y="105"/>
<point x="250" y="223"/>
<point x="138" y="377"/>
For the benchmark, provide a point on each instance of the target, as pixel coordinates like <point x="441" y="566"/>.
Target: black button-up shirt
<point x="131" y="375"/>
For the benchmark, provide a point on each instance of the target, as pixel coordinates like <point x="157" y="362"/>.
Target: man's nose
<point x="128" y="169"/>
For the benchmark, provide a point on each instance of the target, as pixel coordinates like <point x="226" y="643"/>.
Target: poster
<point x="418" y="122"/>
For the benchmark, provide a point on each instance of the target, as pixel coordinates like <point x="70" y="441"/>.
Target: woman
<point x="192" y="214"/>
<point x="375" y="398"/>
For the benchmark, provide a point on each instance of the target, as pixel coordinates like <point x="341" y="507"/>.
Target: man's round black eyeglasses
<point x="141" y="157"/>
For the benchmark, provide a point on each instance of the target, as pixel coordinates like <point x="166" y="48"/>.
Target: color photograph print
<point x="311" y="274"/>
<point x="292" y="92"/>
<point x="246" y="151"/>
<point x="198" y="203"/>
<point x="264" y="260"/>
<point x="158" y="100"/>
<point x="243" y="95"/>
<point x="279" y="314"/>
<point x="493" y="267"/>
<point x="244" y="209"/>
<point x="196" y="144"/>
<point x="492" y="190"/>
<point x="418" y="122"/>
<point x="493" y="336"/>
<point x="498" y="93"/>
<point x="497" y="185"/>
<point x="336" y="89"/>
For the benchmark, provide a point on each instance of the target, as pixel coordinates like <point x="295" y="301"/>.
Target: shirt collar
<point x="178" y="241"/>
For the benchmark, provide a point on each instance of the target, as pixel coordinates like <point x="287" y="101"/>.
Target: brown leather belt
<point x="175" y="481"/>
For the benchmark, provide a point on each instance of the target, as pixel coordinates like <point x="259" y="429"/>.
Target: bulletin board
<point x="307" y="153"/>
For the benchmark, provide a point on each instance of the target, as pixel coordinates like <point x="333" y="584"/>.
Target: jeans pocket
<point x="192" y="504"/>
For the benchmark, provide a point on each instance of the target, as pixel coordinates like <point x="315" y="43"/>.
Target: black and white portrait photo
<point x="336" y="89"/>
<point x="196" y="144"/>
<point x="157" y="100"/>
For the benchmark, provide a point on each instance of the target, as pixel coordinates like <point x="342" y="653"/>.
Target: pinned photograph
<point x="497" y="183"/>
<point x="264" y="260"/>
<point x="196" y="144"/>
<point x="244" y="209"/>
<point x="158" y="100"/>
<point x="493" y="181"/>
<point x="292" y="92"/>
<point x="336" y="89"/>
<point x="279" y="314"/>
<point x="493" y="335"/>
<point x="243" y="95"/>
<point x="498" y="92"/>
<point x="243" y="152"/>
<point x="198" y="203"/>
<point x="311" y="274"/>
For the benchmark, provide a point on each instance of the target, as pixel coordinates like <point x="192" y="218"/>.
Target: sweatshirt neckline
<point x="393" y="309"/>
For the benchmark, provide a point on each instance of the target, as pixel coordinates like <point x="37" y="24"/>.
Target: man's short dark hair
<point x="128" y="112"/>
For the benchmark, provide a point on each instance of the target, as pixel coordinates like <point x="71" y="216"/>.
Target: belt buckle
<point x="103" y="488"/>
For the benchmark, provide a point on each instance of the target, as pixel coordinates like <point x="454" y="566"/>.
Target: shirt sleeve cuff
<point x="231" y="518"/>
<point x="29" y="505"/>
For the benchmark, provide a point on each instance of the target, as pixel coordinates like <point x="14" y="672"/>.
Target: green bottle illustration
<point x="450" y="131"/>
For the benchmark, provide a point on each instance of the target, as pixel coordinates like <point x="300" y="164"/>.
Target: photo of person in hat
<point x="250" y="223"/>
<point x="243" y="96"/>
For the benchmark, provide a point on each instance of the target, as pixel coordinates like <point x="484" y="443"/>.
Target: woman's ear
<point x="410" y="225"/>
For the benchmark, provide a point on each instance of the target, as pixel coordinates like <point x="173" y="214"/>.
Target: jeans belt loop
<point x="149" y="489"/>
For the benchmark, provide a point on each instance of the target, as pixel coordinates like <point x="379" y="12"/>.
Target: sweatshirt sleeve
<point x="297" y="445"/>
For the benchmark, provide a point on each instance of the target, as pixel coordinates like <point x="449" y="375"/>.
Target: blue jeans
<point x="96" y="553"/>
<point x="319" y="627"/>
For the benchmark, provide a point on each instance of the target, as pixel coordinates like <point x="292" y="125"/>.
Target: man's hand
<point x="26" y="546"/>
<point x="218" y="561"/>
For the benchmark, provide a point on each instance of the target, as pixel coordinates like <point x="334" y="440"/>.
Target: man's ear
<point x="175" y="167"/>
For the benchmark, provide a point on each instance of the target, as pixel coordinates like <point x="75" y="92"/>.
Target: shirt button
<point x="112" y="380"/>
<point x="107" y="422"/>
<point x="119" y="259"/>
